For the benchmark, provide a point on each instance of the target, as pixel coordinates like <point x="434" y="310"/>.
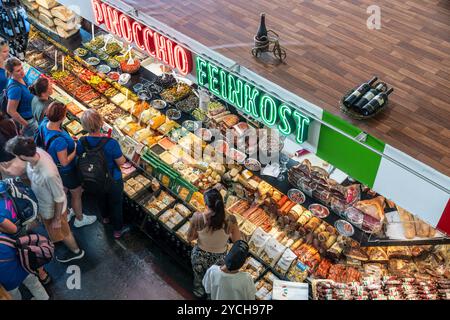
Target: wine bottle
<point x="376" y="103"/>
<point x="380" y="87"/>
<point x="261" y="35"/>
<point x="355" y="95"/>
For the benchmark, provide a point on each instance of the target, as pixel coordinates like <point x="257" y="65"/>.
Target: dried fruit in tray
<point x="58" y="75"/>
<point x="94" y="80"/>
<point x="86" y="75"/>
<point x="111" y="92"/>
<point x="91" y="95"/>
<point x="98" y="103"/>
<point x="176" y="93"/>
<point x="83" y="90"/>
<point x="111" y="112"/>
<point x="102" y="86"/>
<point x="73" y="108"/>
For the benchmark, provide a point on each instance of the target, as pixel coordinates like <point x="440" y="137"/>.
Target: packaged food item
<point x="258" y="241"/>
<point x="182" y="232"/>
<point x="253" y="267"/>
<point x="285" y="262"/>
<point x="272" y="251"/>
<point x="298" y="272"/>
<point x="185" y="212"/>
<point x="247" y="229"/>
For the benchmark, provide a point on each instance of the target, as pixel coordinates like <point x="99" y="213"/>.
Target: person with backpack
<point x="19" y="98"/>
<point x="105" y="156"/>
<point x="13" y="274"/>
<point x="4" y="54"/>
<point x="60" y="145"/>
<point x="12" y="219"/>
<point x="42" y="89"/>
<point x="48" y="188"/>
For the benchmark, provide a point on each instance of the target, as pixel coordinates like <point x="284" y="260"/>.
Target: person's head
<point x="8" y="128"/>
<point x="235" y="259"/>
<point x="214" y="201"/>
<point x="15" y="68"/>
<point x="42" y="88"/>
<point x="4" y="51"/>
<point x="56" y="112"/>
<point x="91" y="121"/>
<point x="22" y="147"/>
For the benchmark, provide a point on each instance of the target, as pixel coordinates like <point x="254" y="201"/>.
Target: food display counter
<point x="345" y="239"/>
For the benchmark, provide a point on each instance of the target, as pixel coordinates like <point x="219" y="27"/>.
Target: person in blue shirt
<point x="111" y="202"/>
<point x="20" y="98"/>
<point x="4" y="54"/>
<point x="8" y="216"/>
<point x="12" y="274"/>
<point x="62" y="148"/>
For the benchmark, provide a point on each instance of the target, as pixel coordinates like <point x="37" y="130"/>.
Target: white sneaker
<point x="87" y="220"/>
<point x="70" y="215"/>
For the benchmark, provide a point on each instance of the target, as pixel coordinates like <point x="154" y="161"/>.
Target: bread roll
<point x="68" y="26"/>
<point x="46" y="20"/>
<point x="408" y="223"/>
<point x="63" y="13"/>
<point x="65" y="34"/>
<point x="46" y="12"/>
<point x="47" y="4"/>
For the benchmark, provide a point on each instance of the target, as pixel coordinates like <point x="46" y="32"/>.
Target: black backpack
<point x="4" y="100"/>
<point x="93" y="168"/>
<point x="40" y="140"/>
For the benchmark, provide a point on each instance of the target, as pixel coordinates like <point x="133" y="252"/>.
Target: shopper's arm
<point x="120" y="161"/>
<point x="65" y="159"/>
<point x="11" y="109"/>
<point x="7" y="226"/>
<point x="235" y="233"/>
<point x="192" y="232"/>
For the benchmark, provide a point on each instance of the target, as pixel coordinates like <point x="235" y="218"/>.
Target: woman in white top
<point x="212" y="229"/>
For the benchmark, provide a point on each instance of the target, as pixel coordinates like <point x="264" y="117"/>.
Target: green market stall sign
<point x="253" y="102"/>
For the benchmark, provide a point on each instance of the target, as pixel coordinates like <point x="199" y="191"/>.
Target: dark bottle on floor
<point x="380" y="87"/>
<point x="355" y="95"/>
<point x="376" y="103"/>
<point x="261" y="35"/>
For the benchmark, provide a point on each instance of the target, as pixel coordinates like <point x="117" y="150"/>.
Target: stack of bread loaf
<point x="53" y="16"/>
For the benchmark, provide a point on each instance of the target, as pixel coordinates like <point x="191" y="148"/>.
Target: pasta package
<point x="272" y="251"/>
<point x="258" y="241"/>
<point x="285" y="261"/>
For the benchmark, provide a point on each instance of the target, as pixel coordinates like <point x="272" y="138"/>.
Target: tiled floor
<point x="131" y="268"/>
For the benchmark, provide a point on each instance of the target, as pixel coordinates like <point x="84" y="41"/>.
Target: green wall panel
<point x="346" y="154"/>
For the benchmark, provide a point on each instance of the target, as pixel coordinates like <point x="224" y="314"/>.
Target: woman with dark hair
<point x="62" y="148"/>
<point x="42" y="89"/>
<point x="212" y="229"/>
<point x="10" y="165"/>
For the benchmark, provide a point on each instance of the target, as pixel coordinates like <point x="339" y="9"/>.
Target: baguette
<point x="422" y="229"/>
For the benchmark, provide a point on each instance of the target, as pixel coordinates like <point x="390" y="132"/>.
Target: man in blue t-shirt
<point x="20" y="98"/>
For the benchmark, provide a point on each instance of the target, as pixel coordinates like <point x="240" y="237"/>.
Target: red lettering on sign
<point x="169" y="45"/>
<point x="160" y="47"/>
<point x="98" y="14"/>
<point x="145" y="38"/>
<point x="137" y="35"/>
<point x="182" y="60"/>
<point x="125" y="25"/>
<point x="115" y="22"/>
<point x="149" y="42"/>
<point x="106" y="19"/>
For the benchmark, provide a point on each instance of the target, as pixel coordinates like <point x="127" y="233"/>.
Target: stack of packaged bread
<point x="53" y="16"/>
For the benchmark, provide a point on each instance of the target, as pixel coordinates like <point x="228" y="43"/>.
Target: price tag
<point x="285" y="290"/>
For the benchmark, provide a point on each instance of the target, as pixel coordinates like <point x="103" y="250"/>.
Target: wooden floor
<point x="330" y="49"/>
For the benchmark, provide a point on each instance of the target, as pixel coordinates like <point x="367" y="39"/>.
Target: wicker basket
<point x="355" y="115"/>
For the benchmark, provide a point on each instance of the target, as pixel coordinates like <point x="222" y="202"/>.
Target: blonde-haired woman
<point x="109" y="201"/>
